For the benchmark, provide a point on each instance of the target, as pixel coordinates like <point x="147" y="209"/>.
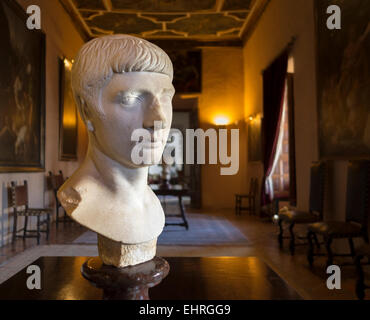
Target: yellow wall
<point x="282" y="20"/>
<point x="222" y="94"/>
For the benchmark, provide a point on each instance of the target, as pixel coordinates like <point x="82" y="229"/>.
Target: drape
<point x="273" y="99"/>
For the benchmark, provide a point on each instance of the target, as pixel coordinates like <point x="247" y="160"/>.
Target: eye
<point x="130" y="99"/>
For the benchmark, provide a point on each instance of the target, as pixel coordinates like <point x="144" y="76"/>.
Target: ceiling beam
<point x="180" y="44"/>
<point x="257" y="9"/>
<point x="219" y="5"/>
<point x="108" y="4"/>
<point x="76" y="19"/>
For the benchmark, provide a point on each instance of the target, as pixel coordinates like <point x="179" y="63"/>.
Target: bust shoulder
<point x="120" y="214"/>
<point x="72" y="191"/>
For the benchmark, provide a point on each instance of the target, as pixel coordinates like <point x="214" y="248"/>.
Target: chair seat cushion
<point x="34" y="212"/>
<point x="298" y="216"/>
<point x="336" y="229"/>
<point x="364" y="250"/>
<point x="244" y="196"/>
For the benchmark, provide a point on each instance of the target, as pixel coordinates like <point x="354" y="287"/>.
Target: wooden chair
<point x="19" y="199"/>
<point x="361" y="286"/>
<point x="251" y="197"/>
<point x="55" y="182"/>
<point x="316" y="205"/>
<point x="356" y="215"/>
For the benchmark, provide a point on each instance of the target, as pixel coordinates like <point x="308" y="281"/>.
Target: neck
<point x="115" y="175"/>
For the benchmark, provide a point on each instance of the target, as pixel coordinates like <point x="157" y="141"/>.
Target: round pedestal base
<point x="128" y="283"/>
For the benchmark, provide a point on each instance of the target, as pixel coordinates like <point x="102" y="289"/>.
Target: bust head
<point x="122" y="83"/>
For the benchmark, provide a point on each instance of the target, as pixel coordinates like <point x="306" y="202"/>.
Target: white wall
<point x="62" y="39"/>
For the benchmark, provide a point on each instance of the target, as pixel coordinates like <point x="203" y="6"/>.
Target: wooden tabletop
<point x="219" y="278"/>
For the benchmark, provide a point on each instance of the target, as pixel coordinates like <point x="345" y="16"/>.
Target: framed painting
<point x="343" y="70"/>
<point x="187" y="67"/>
<point x="67" y="114"/>
<point x="22" y="92"/>
<point x="255" y="140"/>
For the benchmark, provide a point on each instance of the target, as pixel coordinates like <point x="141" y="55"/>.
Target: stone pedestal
<point x="128" y="283"/>
<point x="121" y="255"/>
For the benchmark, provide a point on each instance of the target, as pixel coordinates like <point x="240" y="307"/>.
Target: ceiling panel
<point x="89" y="4"/>
<point x="164" y="5"/>
<point x="210" y="20"/>
<point x="236" y="4"/>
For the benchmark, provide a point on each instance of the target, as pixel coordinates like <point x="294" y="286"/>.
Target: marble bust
<point x="120" y="83"/>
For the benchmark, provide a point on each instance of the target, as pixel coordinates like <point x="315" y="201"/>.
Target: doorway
<point x="185" y="116"/>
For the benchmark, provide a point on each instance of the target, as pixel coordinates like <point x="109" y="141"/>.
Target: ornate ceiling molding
<point x="205" y="21"/>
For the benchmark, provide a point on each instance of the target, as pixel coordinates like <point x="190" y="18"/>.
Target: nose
<point x="154" y="113"/>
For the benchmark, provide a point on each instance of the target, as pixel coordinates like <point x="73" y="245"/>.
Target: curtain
<point x="273" y="99"/>
<point x="279" y="147"/>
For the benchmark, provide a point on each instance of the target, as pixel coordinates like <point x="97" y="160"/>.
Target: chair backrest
<point x="55" y="181"/>
<point x="19" y="194"/>
<point x="317" y="187"/>
<point x="59" y="179"/>
<point x="358" y="192"/>
<point x="253" y="186"/>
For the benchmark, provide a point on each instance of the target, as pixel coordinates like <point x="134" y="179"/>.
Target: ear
<point x="85" y="114"/>
<point x="90" y="126"/>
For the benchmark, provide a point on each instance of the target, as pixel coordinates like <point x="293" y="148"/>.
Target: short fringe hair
<point x="101" y="57"/>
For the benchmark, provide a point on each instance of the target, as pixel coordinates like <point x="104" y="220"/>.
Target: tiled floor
<point x="65" y="233"/>
<point x="262" y="236"/>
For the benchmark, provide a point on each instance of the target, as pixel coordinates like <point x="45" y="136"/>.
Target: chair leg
<point x="360" y="284"/>
<point x="316" y="241"/>
<point x="25" y="227"/>
<point x="182" y="210"/>
<point x="328" y="242"/>
<point x="310" y="252"/>
<point x="47" y="226"/>
<point x="281" y="233"/>
<point x="366" y="237"/>
<point x="292" y="239"/>
<point x="14" y="227"/>
<point x="57" y="216"/>
<point x="352" y="248"/>
<point x="38" y="229"/>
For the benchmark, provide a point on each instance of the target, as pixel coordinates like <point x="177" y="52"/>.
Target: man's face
<point x="134" y="100"/>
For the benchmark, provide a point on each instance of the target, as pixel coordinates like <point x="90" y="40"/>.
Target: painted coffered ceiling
<point x="205" y="20"/>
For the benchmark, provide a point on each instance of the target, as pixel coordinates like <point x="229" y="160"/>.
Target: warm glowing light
<point x="69" y="119"/>
<point x="275" y="218"/>
<point x="221" y="120"/>
<point x="250" y="118"/>
<point x="291" y="65"/>
<point x="68" y="63"/>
